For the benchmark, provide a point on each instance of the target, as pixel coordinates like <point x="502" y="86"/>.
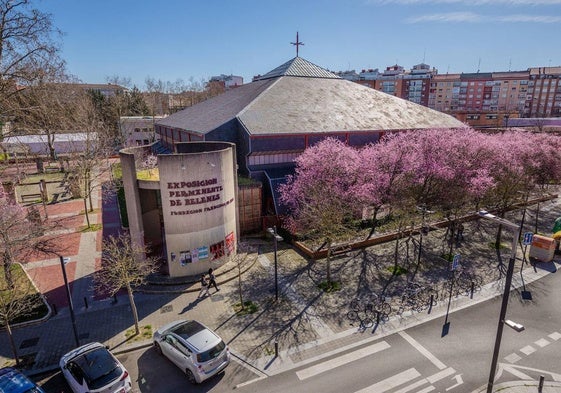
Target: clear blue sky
<point x="183" y="39"/>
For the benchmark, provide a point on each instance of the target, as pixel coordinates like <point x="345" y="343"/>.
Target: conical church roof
<point x="300" y="97"/>
<point x="299" y="67"/>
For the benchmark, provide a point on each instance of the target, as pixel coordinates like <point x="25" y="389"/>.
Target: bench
<point x="51" y="169"/>
<point x="31" y="197"/>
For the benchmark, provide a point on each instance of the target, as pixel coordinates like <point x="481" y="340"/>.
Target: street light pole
<point x="72" y="317"/>
<point x="273" y="231"/>
<point x="506" y="293"/>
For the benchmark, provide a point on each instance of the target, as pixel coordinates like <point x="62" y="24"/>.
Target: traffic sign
<point x="528" y="236"/>
<point x="455" y="262"/>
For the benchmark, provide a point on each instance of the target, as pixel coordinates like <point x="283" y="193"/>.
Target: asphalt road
<point x="421" y="359"/>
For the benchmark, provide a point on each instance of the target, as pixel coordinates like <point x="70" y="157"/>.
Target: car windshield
<point x="211" y="353"/>
<point x="99" y="367"/>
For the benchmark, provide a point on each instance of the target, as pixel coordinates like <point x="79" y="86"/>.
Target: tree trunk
<point x="86" y="211"/>
<point x="328" y="262"/>
<point x="133" y="308"/>
<point x="537" y="216"/>
<point x="240" y="286"/>
<point x="89" y="188"/>
<point x="7" y="262"/>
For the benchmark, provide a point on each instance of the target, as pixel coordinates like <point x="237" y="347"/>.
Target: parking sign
<point x="528" y="236"/>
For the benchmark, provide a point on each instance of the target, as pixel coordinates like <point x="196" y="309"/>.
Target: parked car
<point x="13" y="381"/>
<point x="91" y="368"/>
<point x="194" y="348"/>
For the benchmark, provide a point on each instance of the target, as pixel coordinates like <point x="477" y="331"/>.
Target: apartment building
<point x="483" y="99"/>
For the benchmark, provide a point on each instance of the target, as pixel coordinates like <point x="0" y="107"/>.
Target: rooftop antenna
<point x="424" y="54"/>
<point x="478" y="65"/>
<point x="297" y="43"/>
<point x="447" y="69"/>
<point x="509" y="64"/>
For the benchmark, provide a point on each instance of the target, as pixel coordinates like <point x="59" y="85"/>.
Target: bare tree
<point x="29" y="49"/>
<point x="18" y="298"/>
<point x="124" y="265"/>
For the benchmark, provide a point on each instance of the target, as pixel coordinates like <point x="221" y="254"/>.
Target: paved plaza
<point x="304" y="324"/>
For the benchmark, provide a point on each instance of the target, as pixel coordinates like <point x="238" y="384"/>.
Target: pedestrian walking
<point x="212" y="280"/>
<point x="205" y="286"/>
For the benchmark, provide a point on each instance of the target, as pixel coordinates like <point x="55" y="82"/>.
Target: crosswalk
<point x="410" y="380"/>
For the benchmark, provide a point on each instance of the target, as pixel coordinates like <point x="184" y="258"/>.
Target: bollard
<point x="540" y="386"/>
<point x="431" y="303"/>
<point x="115" y="299"/>
<point x="276" y="348"/>
<point x="53" y="306"/>
<point x="86" y="302"/>
<point x="471" y="290"/>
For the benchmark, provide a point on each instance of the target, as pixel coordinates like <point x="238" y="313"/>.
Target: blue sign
<point x="455" y="262"/>
<point x="528" y="236"/>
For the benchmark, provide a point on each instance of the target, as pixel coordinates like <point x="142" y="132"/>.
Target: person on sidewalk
<point x="205" y="286"/>
<point x="212" y="280"/>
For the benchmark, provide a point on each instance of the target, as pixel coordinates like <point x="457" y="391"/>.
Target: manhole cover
<point x="168" y="308"/>
<point x="30" y="342"/>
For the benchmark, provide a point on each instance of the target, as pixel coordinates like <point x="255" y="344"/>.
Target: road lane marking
<point x="441" y="375"/>
<point x="527" y="350"/>
<point x="423" y="350"/>
<point x="412" y="386"/>
<point x="341" y="360"/>
<point x="427" y="389"/>
<point x="512" y="358"/>
<point x="391" y="382"/>
<point x="555" y="336"/>
<point x="542" y="343"/>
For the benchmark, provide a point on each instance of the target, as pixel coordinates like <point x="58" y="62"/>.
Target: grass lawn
<point x="23" y="293"/>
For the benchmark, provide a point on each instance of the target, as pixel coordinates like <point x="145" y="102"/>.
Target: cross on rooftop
<point x="297" y="44"/>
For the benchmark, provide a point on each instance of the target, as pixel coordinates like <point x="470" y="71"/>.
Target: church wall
<point x="273" y="143"/>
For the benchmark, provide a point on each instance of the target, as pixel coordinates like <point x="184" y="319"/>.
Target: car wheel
<point x="190" y="376"/>
<point x="157" y="347"/>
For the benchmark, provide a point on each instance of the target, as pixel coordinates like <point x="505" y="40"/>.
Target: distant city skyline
<point x="197" y="40"/>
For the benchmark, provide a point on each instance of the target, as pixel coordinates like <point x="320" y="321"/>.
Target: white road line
<point x="341" y="360"/>
<point x="427" y="389"/>
<point x="542" y="343"/>
<point x="391" y="382"/>
<point x="441" y="375"/>
<point x="527" y="350"/>
<point x="423" y="350"/>
<point x="512" y="358"/>
<point x="412" y="386"/>
<point x="555" y="336"/>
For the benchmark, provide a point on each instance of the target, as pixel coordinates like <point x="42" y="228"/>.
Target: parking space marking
<point x="341" y="360"/>
<point x="425" y="352"/>
<point x="527" y="350"/>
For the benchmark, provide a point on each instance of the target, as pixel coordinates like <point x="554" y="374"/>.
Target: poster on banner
<point x="217" y="250"/>
<point x="230" y="243"/>
<point x="203" y="252"/>
<point x="185" y="257"/>
<point x="195" y="255"/>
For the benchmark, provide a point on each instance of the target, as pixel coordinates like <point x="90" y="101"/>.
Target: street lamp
<point x="63" y="262"/>
<point x="276" y="237"/>
<point x="508" y="281"/>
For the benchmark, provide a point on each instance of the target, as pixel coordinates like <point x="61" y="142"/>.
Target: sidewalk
<point x="307" y="324"/>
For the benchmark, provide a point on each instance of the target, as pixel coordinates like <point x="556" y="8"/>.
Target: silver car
<point x="91" y="368"/>
<point x="194" y="348"/>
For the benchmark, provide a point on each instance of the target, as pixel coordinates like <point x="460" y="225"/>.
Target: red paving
<point x="50" y="282"/>
<point x="74" y="206"/>
<point x="66" y="244"/>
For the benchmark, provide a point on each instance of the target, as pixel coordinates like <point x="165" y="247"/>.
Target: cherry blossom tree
<point x="320" y="196"/>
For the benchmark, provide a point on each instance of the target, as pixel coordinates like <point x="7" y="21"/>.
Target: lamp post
<point x="276" y="237"/>
<point x="63" y="261"/>
<point x="508" y="281"/>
